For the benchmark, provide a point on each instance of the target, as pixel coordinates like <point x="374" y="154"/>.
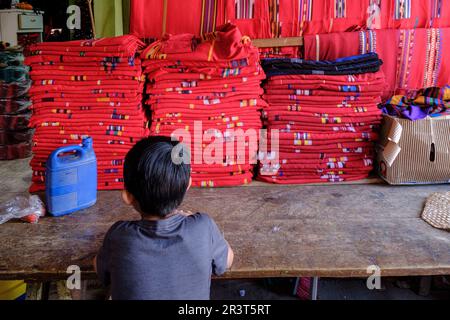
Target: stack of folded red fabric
<point x="327" y="118"/>
<point x="212" y="86"/>
<point x="87" y="88"/>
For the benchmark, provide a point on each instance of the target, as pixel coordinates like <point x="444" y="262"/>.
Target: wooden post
<point x="164" y="26"/>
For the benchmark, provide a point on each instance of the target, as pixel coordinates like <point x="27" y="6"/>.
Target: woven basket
<point x="437" y="211"/>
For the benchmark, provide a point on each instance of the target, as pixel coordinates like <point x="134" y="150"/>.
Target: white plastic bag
<point x="28" y="208"/>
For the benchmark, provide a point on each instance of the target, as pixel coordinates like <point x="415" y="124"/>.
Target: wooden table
<point x="276" y="231"/>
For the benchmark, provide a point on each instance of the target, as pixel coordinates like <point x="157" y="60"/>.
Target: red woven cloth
<point x="326" y="128"/>
<point x="412" y="58"/>
<point x="284" y="18"/>
<point x="205" y="16"/>
<point x="213" y="82"/>
<point x="87" y="88"/>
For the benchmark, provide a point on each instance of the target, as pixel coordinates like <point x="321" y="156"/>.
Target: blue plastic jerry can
<point x="71" y="179"/>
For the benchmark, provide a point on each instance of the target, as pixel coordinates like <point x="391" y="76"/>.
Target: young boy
<point x="169" y="254"/>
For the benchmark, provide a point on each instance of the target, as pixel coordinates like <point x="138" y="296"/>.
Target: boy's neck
<point x="158" y="218"/>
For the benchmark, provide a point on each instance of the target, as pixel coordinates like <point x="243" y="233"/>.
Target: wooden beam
<point x="278" y="42"/>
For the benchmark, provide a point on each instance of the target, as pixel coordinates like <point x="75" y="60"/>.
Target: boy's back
<point x="165" y="259"/>
<point x="168" y="255"/>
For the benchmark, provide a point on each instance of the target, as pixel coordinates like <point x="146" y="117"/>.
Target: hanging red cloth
<point x="250" y="16"/>
<point x="177" y="17"/>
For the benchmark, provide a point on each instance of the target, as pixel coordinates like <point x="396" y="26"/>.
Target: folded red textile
<point x="106" y="101"/>
<point x="205" y="106"/>
<point x="214" y="81"/>
<point x="87" y="106"/>
<point x="325" y="120"/>
<point x="312" y="180"/>
<point x="125" y="96"/>
<point x="214" y="90"/>
<point x="180" y="110"/>
<point x="103" y="91"/>
<point x="108" y="68"/>
<point x="318" y="136"/>
<point x="321" y="100"/>
<point x="65" y="59"/>
<point x="117" y="46"/>
<point x="15" y="151"/>
<point x="207" y="101"/>
<point x="95" y="89"/>
<point x="304" y="114"/>
<point x="327" y="127"/>
<point x="226" y="45"/>
<point x="282" y="93"/>
<point x="209" y="74"/>
<point x="122" y="42"/>
<point x="83" y="75"/>
<point x="208" y="68"/>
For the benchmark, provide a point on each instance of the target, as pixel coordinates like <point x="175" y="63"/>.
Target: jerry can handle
<point x="55" y="155"/>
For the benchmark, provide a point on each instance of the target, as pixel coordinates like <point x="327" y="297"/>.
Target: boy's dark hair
<point x="157" y="183"/>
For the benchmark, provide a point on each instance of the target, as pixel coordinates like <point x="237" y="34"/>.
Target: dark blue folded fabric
<point x="366" y="63"/>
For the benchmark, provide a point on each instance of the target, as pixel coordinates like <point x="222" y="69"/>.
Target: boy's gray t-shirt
<point x="170" y="259"/>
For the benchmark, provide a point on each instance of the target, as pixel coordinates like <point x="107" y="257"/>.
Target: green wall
<point x="111" y="17"/>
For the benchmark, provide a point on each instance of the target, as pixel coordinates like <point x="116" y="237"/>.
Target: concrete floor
<point x="282" y="289"/>
<point x="16" y="178"/>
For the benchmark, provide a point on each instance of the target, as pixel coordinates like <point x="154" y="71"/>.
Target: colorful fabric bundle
<point x="15" y="136"/>
<point x="87" y="88"/>
<point x="208" y="91"/>
<point x="433" y="102"/>
<point x="322" y="120"/>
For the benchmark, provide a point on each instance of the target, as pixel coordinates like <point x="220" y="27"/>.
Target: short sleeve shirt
<point x="171" y="259"/>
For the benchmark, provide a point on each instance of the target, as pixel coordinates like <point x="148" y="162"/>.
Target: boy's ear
<point x="127" y="197"/>
<point x="190" y="184"/>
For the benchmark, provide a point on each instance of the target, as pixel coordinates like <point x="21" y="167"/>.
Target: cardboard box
<point x="415" y="152"/>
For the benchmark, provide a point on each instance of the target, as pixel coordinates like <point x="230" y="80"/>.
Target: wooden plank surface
<point x="278" y="42"/>
<point x="326" y="231"/>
